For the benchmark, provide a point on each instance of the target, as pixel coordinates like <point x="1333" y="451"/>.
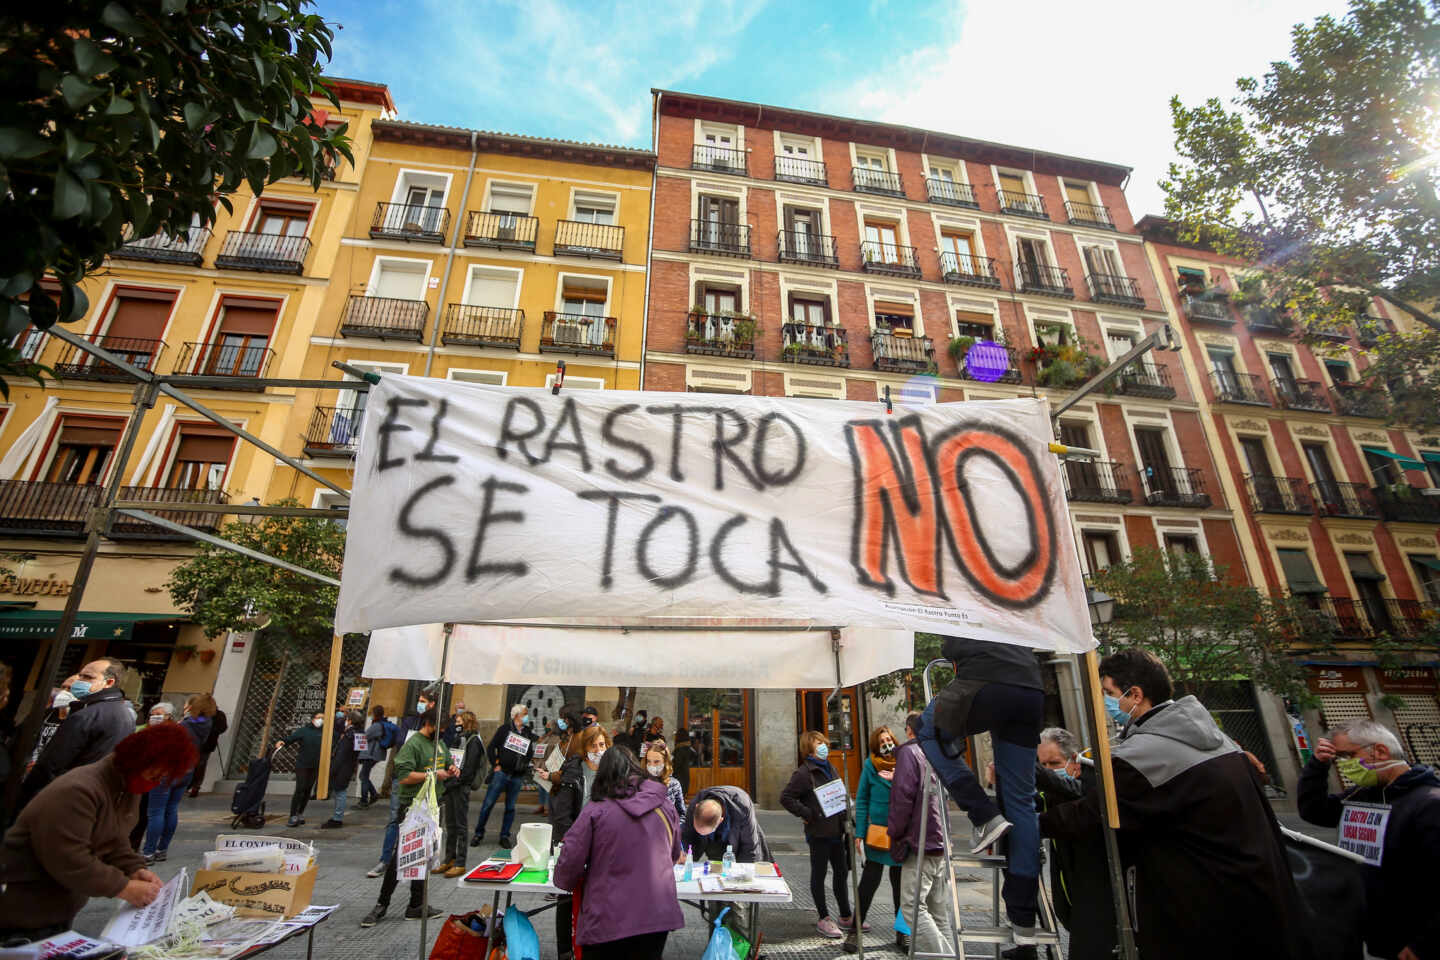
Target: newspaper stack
<point x="249" y="854"/>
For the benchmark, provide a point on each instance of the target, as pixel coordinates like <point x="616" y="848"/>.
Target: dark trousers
<point x="870" y="882"/>
<point x="565" y="926"/>
<point x="368" y="793"/>
<point x="305" y="778"/>
<point x="510" y="784"/>
<point x="828" y="853"/>
<point x="392" y="870"/>
<point x="137" y="835"/>
<point x="455" y="811"/>
<point x="197" y="779"/>
<point x="645" y="946"/>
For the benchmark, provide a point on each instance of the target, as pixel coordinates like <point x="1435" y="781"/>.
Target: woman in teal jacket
<point x="872" y="809"/>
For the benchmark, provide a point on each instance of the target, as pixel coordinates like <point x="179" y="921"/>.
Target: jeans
<point x="305" y="778"/>
<point x="870" y="882"/>
<point x="511" y="785"/>
<point x="829" y="853"/>
<point x="164" y="814"/>
<point x="340" y="800"/>
<point x="544" y="794"/>
<point x="368" y="793"/>
<point x="392" y="826"/>
<point x="392" y="872"/>
<point x="931" y="928"/>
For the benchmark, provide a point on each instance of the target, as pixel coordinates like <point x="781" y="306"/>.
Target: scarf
<point x="824" y="765"/>
<point x="883" y="765"/>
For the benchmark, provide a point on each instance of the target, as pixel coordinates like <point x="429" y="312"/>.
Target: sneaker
<point x="827" y="928"/>
<point x="376" y="914"/>
<point x="455" y="870"/>
<point x="988" y="832"/>
<point x="376" y="871"/>
<point x="332" y="824"/>
<point x="293" y="822"/>
<point x="1023" y="936"/>
<point x="161" y="856"/>
<point x="149" y="859"/>
<point x="505" y="842"/>
<point x="415" y="913"/>
<point x="478" y="839"/>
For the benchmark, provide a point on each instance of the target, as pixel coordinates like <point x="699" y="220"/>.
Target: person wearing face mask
<point x="1400" y="916"/>
<point x="162" y="805"/>
<point x="657" y="765"/>
<point x="70" y="843"/>
<point x="824" y="834"/>
<point x="571" y="792"/>
<point x="509" y="752"/>
<point x="409" y="724"/>
<point x="1200" y="847"/>
<point x="97" y="720"/>
<point x="307" y="764"/>
<point x="60" y="704"/>
<point x="549" y="749"/>
<point x="343" y="761"/>
<point x="872" y="813"/>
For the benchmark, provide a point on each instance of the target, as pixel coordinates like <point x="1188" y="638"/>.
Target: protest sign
<point x="136" y="926"/>
<point x="476" y="500"/>
<point x="832" y="797"/>
<point x="272" y="895"/>
<point x="1362" y="830"/>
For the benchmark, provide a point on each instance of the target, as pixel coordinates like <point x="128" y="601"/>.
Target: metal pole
<point x="439" y="712"/>
<point x="1162" y="337"/>
<point x="226" y="545"/>
<point x="850" y="855"/>
<point x="97" y="524"/>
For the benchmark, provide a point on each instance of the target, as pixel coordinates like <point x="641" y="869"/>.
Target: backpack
<point x="391" y="734"/>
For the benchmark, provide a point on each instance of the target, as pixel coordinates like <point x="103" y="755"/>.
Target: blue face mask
<point x="1112" y="707"/>
<point x="822" y="751"/>
<point x="80" y="688"/>
<point x="560" y="725"/>
<point x="527" y="720"/>
<point x="1063" y="774"/>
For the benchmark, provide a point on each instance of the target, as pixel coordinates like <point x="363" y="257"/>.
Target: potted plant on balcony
<point x="959" y="347"/>
<point x="184" y="651"/>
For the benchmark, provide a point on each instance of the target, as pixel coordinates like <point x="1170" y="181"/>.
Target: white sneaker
<point x="988" y="832"/>
<point x="1023" y="936"/>
<point x="376" y="871"/>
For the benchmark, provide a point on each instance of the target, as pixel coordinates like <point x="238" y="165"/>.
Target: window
<point x="812" y="312"/>
<point x="1102" y="549"/>
<point x="493" y="378"/>
<point x="1190" y="281"/>
<point x="895" y="318"/>
<point x="83" y="449"/>
<point x="1432" y="465"/>
<point x="350" y="408"/>
<point x="1052" y="334"/>
<point x="969" y="323"/>
<point x="1299" y="572"/>
<point x="870" y="161"/>
<point x="594" y="208"/>
<point x="1013" y="185"/>
<point x="1339" y="371"/>
<point x="1078" y="193"/>
<point x="1319" y="462"/>
<point x="872" y="170"/>
<point x="201" y="457"/>
<point x="136" y="325"/>
<point x="241" y="340"/>
<point x="720" y="220"/>
<point x="1102" y="261"/>
<point x="492" y="288"/>
<point x="1281" y="367"/>
<point x="508" y="198"/>
<point x="882" y="242"/>
<point x="576" y="383"/>
<point x="1159" y="478"/>
<point x="1427" y="572"/>
<point x="329" y="500"/>
<point x="282" y="221"/>
<point x="720" y="300"/>
<point x="1182" y="543"/>
<point x="796" y="160"/>
<point x="1257" y="460"/>
<point x="957" y="253"/>
<point x="1367" y="582"/>
<point x="583" y="297"/>
<point x="1222" y="367"/>
<point x="1382" y="468"/>
<point x="802" y="227"/>
<point x="1082" y="475"/>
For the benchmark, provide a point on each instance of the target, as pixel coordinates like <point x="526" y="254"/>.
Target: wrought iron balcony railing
<point x="1347" y="619"/>
<point x="384" y="318"/>
<point x="169" y="503"/>
<point x="1333" y="332"/>
<point x="75" y="364"/>
<point x="1300" y="394"/>
<point x="1355" y="400"/>
<point x="577" y="333"/>
<point x="720" y="335"/>
<point x="1143" y="379"/>
<point x="951" y="193"/>
<point x="40" y="509"/>
<point x="597" y="241"/>
<point x="719" y="160"/>
<point x="811" y="249"/>
<point x="333" y="431"/>
<point x="968" y="271"/>
<point x="902" y="354"/>
<point x="1014" y="372"/>
<point x="1209" y="311"/>
<point x="470" y="325"/>
<point x="1266" y="320"/>
<point x="503" y="231"/>
<point x="1174" y="487"/>
<point x="410" y="221"/>
<point x="265" y="252"/>
<point x="1089" y="215"/>
<point x="1412" y="619"/>
<point x="1334" y="498"/>
<point x="241" y="358"/>
<point x="1114" y="288"/>
<point x="1044" y="280"/>
<point x="725" y="239"/>
<point x="1403" y="503"/>
<point x="1341" y="618"/>
<point x="188" y="250"/>
<point x="799" y="170"/>
<point x="1030" y="205"/>
<point x="1279" y="495"/>
<point x="1239" y="388"/>
<point x="815" y="344"/>
<point x="1098" y="481"/>
<point x="891" y="259"/>
<point x="870" y="180"/>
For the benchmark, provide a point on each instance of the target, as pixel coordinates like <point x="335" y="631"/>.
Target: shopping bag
<point x="420" y="840"/>
<point x="521" y="941"/>
<point x="720" y="946"/>
<point x="900" y="925"/>
<point x="459" y="940"/>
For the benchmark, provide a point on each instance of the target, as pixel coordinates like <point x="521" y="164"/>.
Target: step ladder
<point x="997" y="934"/>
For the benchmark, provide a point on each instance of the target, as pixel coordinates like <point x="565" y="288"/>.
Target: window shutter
<point x="248" y="321"/>
<point x="1299" y="573"/>
<point x="201" y="446"/>
<point x="1077" y="193"/>
<point x="90" y="430"/>
<point x="139" y="318"/>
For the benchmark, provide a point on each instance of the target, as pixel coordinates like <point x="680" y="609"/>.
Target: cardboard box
<point x="274" y="895"/>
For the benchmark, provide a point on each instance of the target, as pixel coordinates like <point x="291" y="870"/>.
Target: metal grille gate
<point x="1235" y="709"/>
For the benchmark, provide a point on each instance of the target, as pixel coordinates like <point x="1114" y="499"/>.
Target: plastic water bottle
<point x="728" y="862"/>
<point x="689" y="872"/>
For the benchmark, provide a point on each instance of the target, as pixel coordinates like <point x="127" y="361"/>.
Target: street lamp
<point x="251" y="519"/>
<point x="1102" y="606"/>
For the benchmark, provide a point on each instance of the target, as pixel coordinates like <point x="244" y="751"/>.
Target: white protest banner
<point x="362" y="743"/>
<point x="1362" y="830"/>
<point x="515" y="743"/>
<point x="479" y="503"/>
<point x="136" y="926"/>
<point x="831" y="795"/>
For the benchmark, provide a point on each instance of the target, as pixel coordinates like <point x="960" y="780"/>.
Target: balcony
<point x="501" y="231"/>
<point x="817" y="345"/>
<point x="1115" y="289"/>
<point x="38" y="509"/>
<point x="1353" y="501"/>
<point x="720" y="335"/>
<point x="243" y="358"/>
<point x="1300" y="395"/>
<point x="169" y="502"/>
<point x="263" y="252"/>
<point x="595" y="241"/>
<point x="1098" y="481"/>
<point x="1012" y="372"/>
<point x="718" y="237"/>
<point x="950" y="193"/>
<point x="1341" y="617"/>
<point x="333" y="431"/>
<point x="890" y="259"/>
<point x="1266" y="321"/>
<point x="384" y="318"/>
<point x="1146" y="380"/>
<point x="1044" y="280"/>
<point x="1174" y="487"/>
<point x="1030" y="205"/>
<point x="1206" y="310"/>
<point x="713" y="159"/>
<point x="469" y="325"/>
<point x="1238" y="388"/>
<point x="796" y="170"/>
<point x="577" y="333"/>
<point x="1354" y="400"/>
<point x="1412" y="619"/>
<point x="902" y="354"/>
<point x="188" y="250"/>
<point x="1279" y="495"/>
<point x="968" y="271"/>
<point x="410" y="221"/>
<point x="1402" y="503"/>
<point x="76" y="364"/>
<point x="870" y="180"/>
<point x="1333" y="332"/>
<point x="1089" y="215"/>
<point x="808" y="249"/>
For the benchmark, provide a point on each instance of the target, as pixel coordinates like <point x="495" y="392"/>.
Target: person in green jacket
<point x="307" y="764"/>
<point x="872" y="809"/>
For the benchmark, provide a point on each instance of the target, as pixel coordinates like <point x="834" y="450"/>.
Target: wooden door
<point x="720" y="734"/>
<point x="848" y="742"/>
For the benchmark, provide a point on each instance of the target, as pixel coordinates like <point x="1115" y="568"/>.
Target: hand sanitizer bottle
<point x="689" y="872"/>
<point x="729" y="860"/>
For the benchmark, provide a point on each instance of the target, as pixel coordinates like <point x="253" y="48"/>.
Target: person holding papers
<point x="72" y="841"/>
<point x="816" y="795"/>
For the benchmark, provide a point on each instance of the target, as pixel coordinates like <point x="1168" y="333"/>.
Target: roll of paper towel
<point x="532" y="846"/>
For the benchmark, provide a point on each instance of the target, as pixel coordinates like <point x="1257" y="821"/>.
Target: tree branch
<point x="1390" y="298"/>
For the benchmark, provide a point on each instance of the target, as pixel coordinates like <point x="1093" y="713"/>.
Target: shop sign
<point x="357" y="696"/>
<point x="1409" y="680"/>
<point x="1335" y="680"/>
<point x="35" y="586"/>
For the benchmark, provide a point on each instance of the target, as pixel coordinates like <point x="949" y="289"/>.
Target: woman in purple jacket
<point x="623" y="844"/>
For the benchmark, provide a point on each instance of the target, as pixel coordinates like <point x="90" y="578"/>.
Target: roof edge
<point x="598" y="154"/>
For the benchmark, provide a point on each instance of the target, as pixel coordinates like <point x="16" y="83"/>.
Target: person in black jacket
<point x="1400" y="916"/>
<point x="569" y="793"/>
<point x="825" y="834"/>
<point x="509" y="753"/>
<point x="307" y="764"/>
<point x="1202" y="853"/>
<point x="99" y="719"/>
<point x="343" y="762"/>
<point x="455" y="804"/>
<point x="218" y="725"/>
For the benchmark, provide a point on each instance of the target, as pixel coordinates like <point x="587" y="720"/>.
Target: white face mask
<point x="594" y="756"/>
<point x="655" y="769"/>
<point x="63" y="699"/>
<point x="318" y="721"/>
<point x="157" y="718"/>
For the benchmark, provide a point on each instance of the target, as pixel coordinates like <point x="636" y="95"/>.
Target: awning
<point x="1430" y="562"/>
<point x="41" y="624"/>
<point x="1430" y="456"/>
<point x="1405" y="462"/>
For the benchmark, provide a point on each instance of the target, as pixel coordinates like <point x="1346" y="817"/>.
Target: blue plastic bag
<point x="720" y="946"/>
<point x="521" y="941"/>
<point x="900" y="925"/>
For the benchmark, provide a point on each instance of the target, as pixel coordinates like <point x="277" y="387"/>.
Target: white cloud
<point x="1091" y="81"/>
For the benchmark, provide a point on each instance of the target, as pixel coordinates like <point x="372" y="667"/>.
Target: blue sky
<point x="1090" y="80"/>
